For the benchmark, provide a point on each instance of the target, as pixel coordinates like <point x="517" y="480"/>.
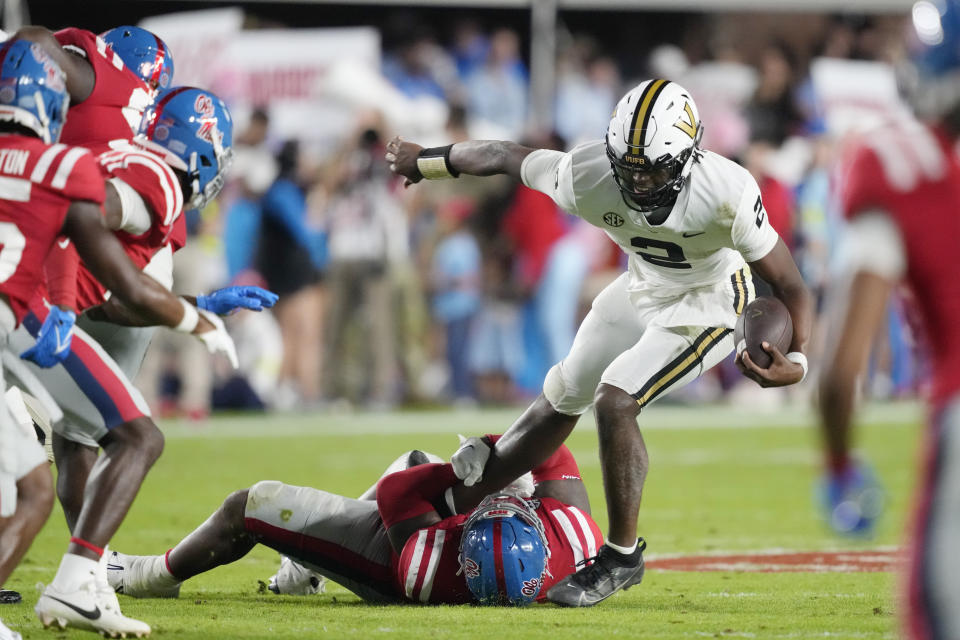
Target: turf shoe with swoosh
<point x="85" y="608"/>
<point x="609" y="572"/>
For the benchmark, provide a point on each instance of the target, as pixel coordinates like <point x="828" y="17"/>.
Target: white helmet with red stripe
<point x="652" y="142"/>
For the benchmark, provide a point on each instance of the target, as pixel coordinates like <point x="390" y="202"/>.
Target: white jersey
<point x="717" y="223"/>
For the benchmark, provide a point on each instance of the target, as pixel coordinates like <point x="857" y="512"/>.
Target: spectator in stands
<point x="421" y="67"/>
<point x="455" y="285"/>
<point x="253" y="171"/>
<point x="291" y="257"/>
<point x="587" y="91"/>
<point x="497" y="92"/>
<point x="772" y="113"/>
<point x="360" y="346"/>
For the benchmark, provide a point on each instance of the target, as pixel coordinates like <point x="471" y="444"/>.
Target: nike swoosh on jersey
<point x="89" y="614"/>
<point x="690" y="235"/>
<point x="64" y="243"/>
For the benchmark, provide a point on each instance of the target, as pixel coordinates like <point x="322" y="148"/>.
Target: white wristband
<point x="190" y="318"/>
<point x="798" y="358"/>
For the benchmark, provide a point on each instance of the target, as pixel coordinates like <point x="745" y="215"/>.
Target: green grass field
<point x="721" y="479"/>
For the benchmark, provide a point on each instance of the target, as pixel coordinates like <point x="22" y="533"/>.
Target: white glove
<point x="522" y="486"/>
<point x="470" y="459"/>
<point x="218" y="340"/>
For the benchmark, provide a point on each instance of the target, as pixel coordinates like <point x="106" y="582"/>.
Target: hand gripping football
<point x="765" y="319"/>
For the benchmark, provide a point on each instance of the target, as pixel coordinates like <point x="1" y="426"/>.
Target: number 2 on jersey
<point x="672" y="256"/>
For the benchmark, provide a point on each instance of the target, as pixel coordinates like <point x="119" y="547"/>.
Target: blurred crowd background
<point x="467" y="291"/>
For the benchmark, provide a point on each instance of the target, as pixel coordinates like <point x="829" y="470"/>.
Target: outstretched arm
<point x="80" y="76"/>
<point x="107" y="261"/>
<point x="474" y="157"/>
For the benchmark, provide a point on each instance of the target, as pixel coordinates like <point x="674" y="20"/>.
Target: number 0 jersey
<point x="38" y="183"/>
<point x="114" y="108"/>
<point x="717" y="222"/>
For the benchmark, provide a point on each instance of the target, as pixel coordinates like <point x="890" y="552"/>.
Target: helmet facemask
<point x="652" y="143"/>
<point x="647" y="184"/>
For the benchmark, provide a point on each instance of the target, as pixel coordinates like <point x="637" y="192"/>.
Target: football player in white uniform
<point x="694" y="227"/>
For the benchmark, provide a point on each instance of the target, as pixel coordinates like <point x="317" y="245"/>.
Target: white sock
<point x="158" y="574"/>
<point x="74" y="570"/>
<point x="102" y="566"/>
<point x="624" y="550"/>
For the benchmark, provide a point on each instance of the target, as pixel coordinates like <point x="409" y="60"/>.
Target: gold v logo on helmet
<point x="689" y="127"/>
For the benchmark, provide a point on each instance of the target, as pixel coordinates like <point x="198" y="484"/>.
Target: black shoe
<point x="610" y="572"/>
<point x="416" y="458"/>
<point x="9" y="597"/>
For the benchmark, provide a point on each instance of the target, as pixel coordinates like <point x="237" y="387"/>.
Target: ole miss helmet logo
<point x="208" y="121"/>
<point x="532" y="587"/>
<point x="470" y="568"/>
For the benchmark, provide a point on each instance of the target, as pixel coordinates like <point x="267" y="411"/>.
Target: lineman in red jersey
<point x="107" y="100"/>
<point x="901" y="194"/>
<point x="101" y="406"/>
<point x="347" y="540"/>
<point x="47" y="190"/>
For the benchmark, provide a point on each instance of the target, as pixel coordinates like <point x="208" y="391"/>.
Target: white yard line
<point x="497" y="420"/>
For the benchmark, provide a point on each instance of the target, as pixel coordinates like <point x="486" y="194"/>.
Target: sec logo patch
<point x="613" y="219"/>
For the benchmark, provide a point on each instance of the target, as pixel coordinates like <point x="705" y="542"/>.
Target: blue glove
<point x="852" y="500"/>
<point x="229" y="299"/>
<point x="53" y="341"/>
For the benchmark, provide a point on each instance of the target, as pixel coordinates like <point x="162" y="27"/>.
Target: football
<point x="765" y="319"/>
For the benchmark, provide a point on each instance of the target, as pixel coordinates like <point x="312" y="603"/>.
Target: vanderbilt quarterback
<point x="693" y="225"/>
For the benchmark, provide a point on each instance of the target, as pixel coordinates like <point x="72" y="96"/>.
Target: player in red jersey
<point x="145" y="201"/>
<point x="401" y="547"/>
<point x="107" y="99"/>
<point x="901" y="194"/>
<point x="49" y="189"/>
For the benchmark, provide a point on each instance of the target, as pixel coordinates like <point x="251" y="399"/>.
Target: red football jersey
<point x="912" y="173"/>
<point x="429" y="571"/>
<point x="157" y="184"/>
<point x="114" y="108"/>
<point x="38" y="182"/>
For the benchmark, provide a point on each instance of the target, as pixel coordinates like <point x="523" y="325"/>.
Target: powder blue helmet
<point x="503" y="551"/>
<point x="192" y="130"/>
<point x="143" y="53"/>
<point x="33" y="90"/>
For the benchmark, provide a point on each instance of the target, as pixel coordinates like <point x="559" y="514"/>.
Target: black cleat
<point x="9" y="597"/>
<point x="610" y="572"/>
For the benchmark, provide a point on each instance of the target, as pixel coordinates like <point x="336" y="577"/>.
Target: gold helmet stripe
<point x="638" y="128"/>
